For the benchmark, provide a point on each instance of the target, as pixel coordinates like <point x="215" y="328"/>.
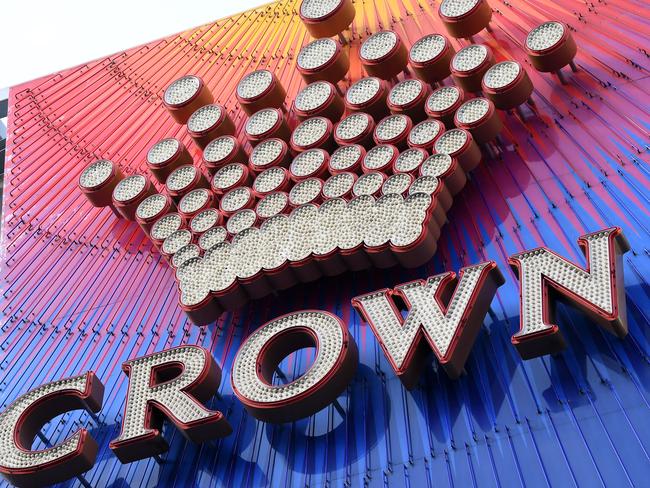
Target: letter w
<point x="445" y="311"/>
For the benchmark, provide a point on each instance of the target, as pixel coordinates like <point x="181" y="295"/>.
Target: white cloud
<point x="44" y="36"/>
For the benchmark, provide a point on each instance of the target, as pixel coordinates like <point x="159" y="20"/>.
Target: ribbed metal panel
<point x="82" y="290"/>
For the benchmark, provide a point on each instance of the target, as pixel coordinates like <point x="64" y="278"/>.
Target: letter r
<point x="171" y="383"/>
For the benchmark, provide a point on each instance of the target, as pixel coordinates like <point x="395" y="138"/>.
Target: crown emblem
<point x="325" y="179"/>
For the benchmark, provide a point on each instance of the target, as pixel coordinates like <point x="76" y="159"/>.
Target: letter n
<point x="545" y="278"/>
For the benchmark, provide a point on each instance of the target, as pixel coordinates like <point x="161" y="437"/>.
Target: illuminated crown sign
<point x="333" y="180"/>
<point x="272" y="184"/>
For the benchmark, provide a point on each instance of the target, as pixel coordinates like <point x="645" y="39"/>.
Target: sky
<point x="45" y="36"/>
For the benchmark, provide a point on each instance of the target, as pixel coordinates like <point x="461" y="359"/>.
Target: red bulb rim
<point x="413" y="145"/>
<point x="435" y="59"/>
<point x="335" y="57"/>
<point x="168" y="255"/>
<point x="348" y="193"/>
<point x="359" y="107"/>
<point x="451" y="109"/>
<point x="382" y="169"/>
<point x="565" y="36"/>
<point x="205" y="206"/>
<point x="316" y="199"/>
<point x="251" y="199"/>
<point x="274" y="128"/>
<point x="381" y="191"/>
<point x="422" y="96"/>
<point x="191" y="184"/>
<point x="324" y="18"/>
<point x="218" y="122"/>
<point x="145" y="190"/>
<point x="367" y="131"/>
<point x="284" y="210"/>
<point x="459" y="18"/>
<point x="157" y="241"/>
<point x="383" y="177"/>
<point x="399" y="137"/>
<point x="452" y="168"/>
<point x="162" y="213"/>
<point x="321" y="107"/>
<point x="496" y="91"/>
<point x="466" y="73"/>
<point x="356" y="165"/>
<point x="422" y="151"/>
<point x="170" y="159"/>
<point x="275" y="162"/>
<point x="171" y="258"/>
<point x="389" y="54"/>
<point x="463" y="148"/>
<point x="198" y="237"/>
<point x="255" y="222"/>
<point x="189" y="100"/>
<point x="265" y="92"/>
<point x="281" y="187"/>
<point x="239" y="182"/>
<point x="327" y="135"/>
<point x="92" y="189"/>
<point x="488" y="115"/>
<point x="218" y="222"/>
<point x="322" y="168"/>
<point x="228" y="158"/>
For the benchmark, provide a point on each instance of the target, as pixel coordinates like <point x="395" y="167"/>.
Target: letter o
<point x="332" y="370"/>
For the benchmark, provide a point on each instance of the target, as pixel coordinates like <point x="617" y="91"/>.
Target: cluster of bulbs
<point x="343" y="144"/>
